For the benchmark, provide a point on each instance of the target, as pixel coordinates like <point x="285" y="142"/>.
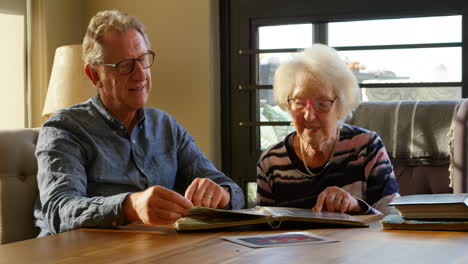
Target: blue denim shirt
<point x="88" y="164"/>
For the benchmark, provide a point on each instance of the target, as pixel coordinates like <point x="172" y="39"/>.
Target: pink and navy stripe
<point x="360" y="166"/>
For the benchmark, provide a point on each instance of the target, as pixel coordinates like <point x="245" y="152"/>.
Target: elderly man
<point x="110" y="161"/>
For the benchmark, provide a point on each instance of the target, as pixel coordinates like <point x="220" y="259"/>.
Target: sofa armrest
<point x="460" y="157"/>
<point x="18" y="186"/>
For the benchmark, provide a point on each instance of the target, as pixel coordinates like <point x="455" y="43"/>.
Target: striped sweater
<point x="360" y="166"/>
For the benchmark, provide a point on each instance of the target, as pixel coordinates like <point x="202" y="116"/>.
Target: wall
<point x="184" y="35"/>
<point x="54" y="23"/>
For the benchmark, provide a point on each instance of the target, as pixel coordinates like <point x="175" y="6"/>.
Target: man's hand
<point x="204" y="192"/>
<point x="155" y="205"/>
<point x="335" y="199"/>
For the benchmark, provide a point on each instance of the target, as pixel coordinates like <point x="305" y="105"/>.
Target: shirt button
<point x="134" y="142"/>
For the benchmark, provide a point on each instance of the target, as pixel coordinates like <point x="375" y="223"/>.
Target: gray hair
<point x="106" y="21"/>
<point x="326" y="66"/>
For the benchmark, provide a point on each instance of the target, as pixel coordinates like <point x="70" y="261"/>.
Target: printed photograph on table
<point x="280" y="239"/>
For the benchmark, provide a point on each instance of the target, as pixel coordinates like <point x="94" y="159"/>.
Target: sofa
<point x="417" y="135"/>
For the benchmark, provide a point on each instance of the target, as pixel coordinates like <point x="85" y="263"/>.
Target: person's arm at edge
<point x="62" y="183"/>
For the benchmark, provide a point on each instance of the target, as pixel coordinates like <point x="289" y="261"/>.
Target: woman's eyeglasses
<point x="320" y="106"/>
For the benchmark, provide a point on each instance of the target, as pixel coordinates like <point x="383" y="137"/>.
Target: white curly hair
<point x="324" y="65"/>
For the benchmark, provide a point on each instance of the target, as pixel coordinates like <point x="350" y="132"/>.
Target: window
<point x="13" y="66"/>
<point x="404" y="50"/>
<point x="395" y="54"/>
<point x="388" y="60"/>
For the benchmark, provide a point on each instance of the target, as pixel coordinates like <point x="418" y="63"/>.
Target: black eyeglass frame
<point x="116" y="65"/>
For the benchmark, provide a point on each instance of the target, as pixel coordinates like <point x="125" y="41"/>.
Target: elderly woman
<point x="325" y="164"/>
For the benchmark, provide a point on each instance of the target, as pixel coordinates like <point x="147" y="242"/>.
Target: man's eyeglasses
<point x="320" y="106"/>
<point x="127" y="66"/>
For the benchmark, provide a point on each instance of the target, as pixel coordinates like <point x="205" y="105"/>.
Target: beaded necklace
<point x="329" y="159"/>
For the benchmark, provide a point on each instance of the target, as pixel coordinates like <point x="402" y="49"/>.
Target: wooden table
<point x="165" y="245"/>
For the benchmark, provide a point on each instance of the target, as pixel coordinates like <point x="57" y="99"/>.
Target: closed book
<point x="446" y="206"/>
<point x="395" y="221"/>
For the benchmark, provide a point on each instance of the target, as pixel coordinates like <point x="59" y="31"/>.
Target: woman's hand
<point x="335" y="199"/>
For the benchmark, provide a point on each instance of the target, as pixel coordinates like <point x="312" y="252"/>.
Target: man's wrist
<point x="128" y="210"/>
<point x="228" y="190"/>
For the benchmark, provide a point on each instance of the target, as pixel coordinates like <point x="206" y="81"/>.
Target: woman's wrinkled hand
<point x="335" y="199"/>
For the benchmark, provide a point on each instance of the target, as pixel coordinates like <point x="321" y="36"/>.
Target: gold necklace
<point x="329" y="159"/>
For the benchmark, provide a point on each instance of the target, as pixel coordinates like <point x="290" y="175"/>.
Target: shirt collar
<point x="113" y="122"/>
